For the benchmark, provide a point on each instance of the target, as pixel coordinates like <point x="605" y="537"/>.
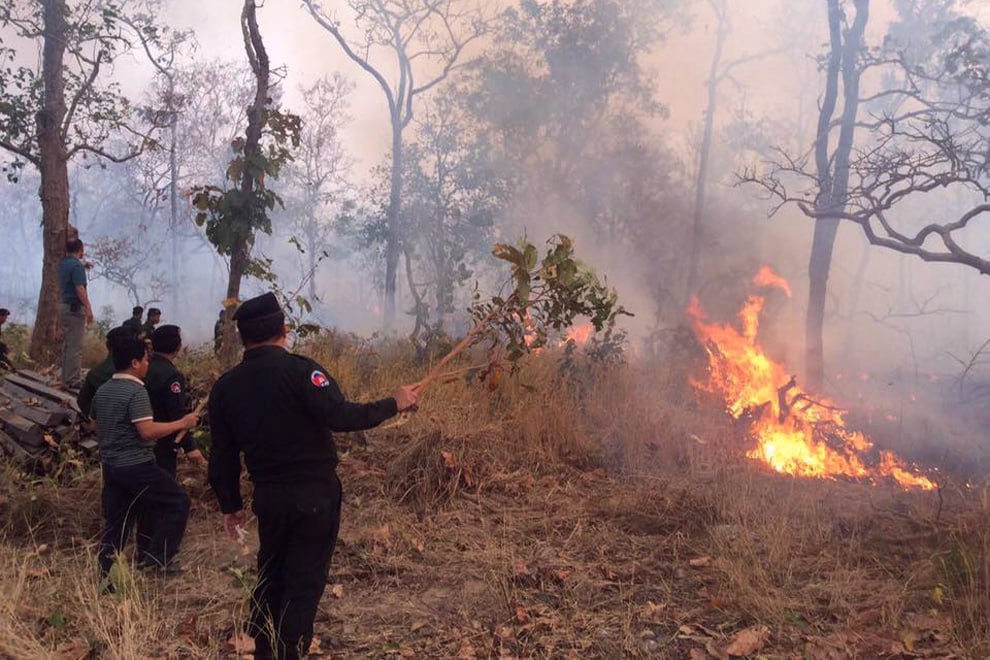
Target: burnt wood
<point x="15" y="450"/>
<point x="36" y="414"/>
<point x="33" y="399"/>
<point x="58" y="396"/>
<point x="23" y="430"/>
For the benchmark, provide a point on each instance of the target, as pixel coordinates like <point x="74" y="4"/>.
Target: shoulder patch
<point x="176" y="388"/>
<point x="319" y="379"/>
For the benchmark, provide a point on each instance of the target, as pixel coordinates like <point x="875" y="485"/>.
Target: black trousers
<point x="297" y="527"/>
<point x="148" y="492"/>
<point x="166" y="452"/>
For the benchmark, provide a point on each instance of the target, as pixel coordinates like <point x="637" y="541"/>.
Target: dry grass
<point x="569" y="510"/>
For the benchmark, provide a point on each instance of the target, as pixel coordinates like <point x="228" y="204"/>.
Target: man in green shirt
<point x="133" y="485"/>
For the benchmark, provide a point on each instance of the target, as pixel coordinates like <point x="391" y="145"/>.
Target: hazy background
<point x="909" y="316"/>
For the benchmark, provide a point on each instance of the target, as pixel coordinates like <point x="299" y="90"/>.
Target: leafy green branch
<point x="541" y="296"/>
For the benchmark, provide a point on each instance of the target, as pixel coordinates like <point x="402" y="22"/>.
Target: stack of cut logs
<point x="37" y="419"/>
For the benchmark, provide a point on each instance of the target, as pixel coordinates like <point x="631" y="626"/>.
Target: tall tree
<point x="423" y="42"/>
<point x="721" y="70"/>
<point x="923" y="139"/>
<point x="846" y="46"/>
<point x="51" y="115"/>
<point x="315" y="178"/>
<point x="566" y="107"/>
<point x="453" y="198"/>
<point x="233" y="215"/>
<point x="162" y="47"/>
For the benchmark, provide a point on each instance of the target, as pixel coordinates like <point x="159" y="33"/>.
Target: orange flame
<point x="530" y="336"/>
<point x="796" y="434"/>
<point x="766" y="277"/>
<point x="579" y="334"/>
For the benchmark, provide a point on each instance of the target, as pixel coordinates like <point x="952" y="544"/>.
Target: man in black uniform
<point x="148" y="329"/>
<point x="133" y="324"/>
<point x="99" y="374"/>
<point x="169" y="402"/>
<point x="278" y="408"/>
<point x="169" y="396"/>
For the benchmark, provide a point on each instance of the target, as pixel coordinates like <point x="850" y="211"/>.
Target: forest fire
<point x="796" y="433"/>
<point x="579" y="334"/>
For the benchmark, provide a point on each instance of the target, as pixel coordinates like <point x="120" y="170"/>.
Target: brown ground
<point x="574" y="518"/>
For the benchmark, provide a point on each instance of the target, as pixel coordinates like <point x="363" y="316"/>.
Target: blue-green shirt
<point x="70" y="275"/>
<point x="117" y="406"/>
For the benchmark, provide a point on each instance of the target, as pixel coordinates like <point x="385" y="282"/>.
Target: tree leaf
<point x="748" y="641"/>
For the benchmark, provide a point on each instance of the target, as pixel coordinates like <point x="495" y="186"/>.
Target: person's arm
<point x="224" y="471"/>
<point x="151" y="430"/>
<point x="84" y="297"/>
<point x="79" y="283"/>
<point x="140" y="413"/>
<point x="85" y="397"/>
<point x="323" y="398"/>
<point x="174" y="399"/>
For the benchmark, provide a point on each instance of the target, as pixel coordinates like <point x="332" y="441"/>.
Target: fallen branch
<point x="199" y="413"/>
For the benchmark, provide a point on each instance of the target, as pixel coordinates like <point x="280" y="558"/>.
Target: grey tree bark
<point x="240" y="251"/>
<point x="833" y="171"/>
<point x="54" y="191"/>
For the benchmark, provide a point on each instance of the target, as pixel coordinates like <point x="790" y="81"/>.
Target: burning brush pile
<point x="795" y="432"/>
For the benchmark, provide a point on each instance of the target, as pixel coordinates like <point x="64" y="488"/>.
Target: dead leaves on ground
<point x="714" y="645"/>
<point x="748" y="641"/>
<point x="76" y="648"/>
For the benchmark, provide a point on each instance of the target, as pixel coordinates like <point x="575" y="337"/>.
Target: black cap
<point x="260" y="318"/>
<point x="116" y="333"/>
<point x="166" y="339"/>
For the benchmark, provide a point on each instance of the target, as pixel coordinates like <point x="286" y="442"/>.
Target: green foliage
<point x="230" y="214"/>
<point x="94" y="38"/>
<point x="56" y="619"/>
<point x="544" y="295"/>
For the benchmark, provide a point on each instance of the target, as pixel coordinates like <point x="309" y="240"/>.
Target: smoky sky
<point x="776" y="82"/>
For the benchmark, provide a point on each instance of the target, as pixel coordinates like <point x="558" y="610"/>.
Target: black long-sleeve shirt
<point x="278" y="408"/>
<point x="169" y="396"/>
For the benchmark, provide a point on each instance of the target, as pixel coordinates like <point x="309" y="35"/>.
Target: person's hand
<point x="196" y="456"/>
<point x="406" y="397"/>
<point x="232" y="522"/>
<point x="190" y="420"/>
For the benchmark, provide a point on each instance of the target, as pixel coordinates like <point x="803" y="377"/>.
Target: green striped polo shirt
<point x="117" y="405"/>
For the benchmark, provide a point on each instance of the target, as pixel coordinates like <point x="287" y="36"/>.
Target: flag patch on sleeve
<point x="319" y="379"/>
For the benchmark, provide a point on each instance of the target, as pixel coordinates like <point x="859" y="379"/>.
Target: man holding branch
<point x="279" y="408"/>
<point x="133" y="485"/>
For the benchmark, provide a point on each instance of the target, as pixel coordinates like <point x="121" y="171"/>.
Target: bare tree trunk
<point x="833" y="173"/>
<point x="392" y="233"/>
<point x="173" y="166"/>
<point x="311" y="248"/>
<point x="701" y="181"/>
<point x="257" y="116"/>
<point x="54" y="191"/>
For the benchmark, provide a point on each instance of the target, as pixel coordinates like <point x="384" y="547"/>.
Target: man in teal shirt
<point x="76" y="312"/>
